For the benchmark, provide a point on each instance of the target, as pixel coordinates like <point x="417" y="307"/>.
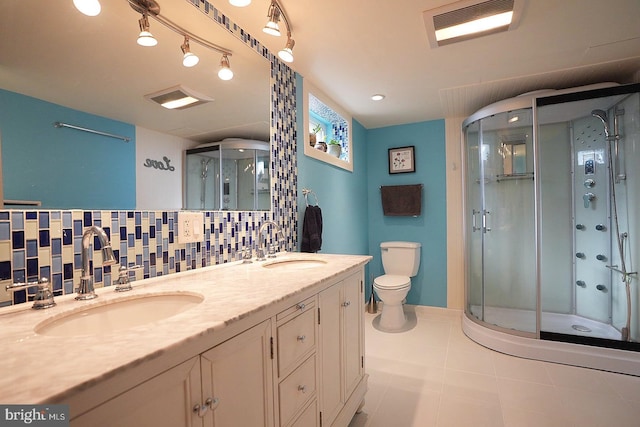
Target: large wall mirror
<point x="85" y="69"/>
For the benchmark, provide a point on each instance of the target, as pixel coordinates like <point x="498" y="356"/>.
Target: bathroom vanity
<point x="273" y="343"/>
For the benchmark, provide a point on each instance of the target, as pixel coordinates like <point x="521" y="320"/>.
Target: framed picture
<point x="402" y="160"/>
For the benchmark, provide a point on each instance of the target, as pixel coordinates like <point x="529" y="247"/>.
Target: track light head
<point x="286" y="54"/>
<point x="240" y="3"/>
<point x="189" y="59"/>
<point x="225" y="72"/>
<point x="272" y="27"/>
<point x="88" y="7"/>
<point x="145" y="38"/>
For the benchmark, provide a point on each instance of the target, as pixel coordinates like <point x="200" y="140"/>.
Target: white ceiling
<point x="349" y="49"/>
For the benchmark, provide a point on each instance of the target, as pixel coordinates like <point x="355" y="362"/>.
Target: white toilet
<point x="400" y="261"/>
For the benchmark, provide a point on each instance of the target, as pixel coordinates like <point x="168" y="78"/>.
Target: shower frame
<point x="524" y="343"/>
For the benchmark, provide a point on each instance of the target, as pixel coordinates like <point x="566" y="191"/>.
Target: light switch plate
<point x="190" y="227"/>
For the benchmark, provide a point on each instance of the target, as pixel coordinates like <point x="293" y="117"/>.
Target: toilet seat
<point x="392" y="281"/>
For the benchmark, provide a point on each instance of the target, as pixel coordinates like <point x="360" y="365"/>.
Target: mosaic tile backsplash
<point x="48" y="243"/>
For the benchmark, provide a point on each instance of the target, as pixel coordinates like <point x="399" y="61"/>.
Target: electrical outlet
<point x="190" y="227"/>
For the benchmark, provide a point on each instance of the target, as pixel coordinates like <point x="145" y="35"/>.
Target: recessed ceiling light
<point x="178" y="97"/>
<point x="377" y="97"/>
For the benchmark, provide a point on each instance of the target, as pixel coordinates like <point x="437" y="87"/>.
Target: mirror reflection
<point x="89" y="71"/>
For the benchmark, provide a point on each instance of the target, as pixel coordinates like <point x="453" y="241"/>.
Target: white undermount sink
<point x="295" y="263"/>
<point x="119" y="314"/>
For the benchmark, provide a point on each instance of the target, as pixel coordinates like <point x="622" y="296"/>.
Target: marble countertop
<point x="37" y="368"/>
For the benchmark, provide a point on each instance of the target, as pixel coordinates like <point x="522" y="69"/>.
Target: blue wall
<point x="429" y="287"/>
<point x="98" y="171"/>
<point x="342" y="195"/>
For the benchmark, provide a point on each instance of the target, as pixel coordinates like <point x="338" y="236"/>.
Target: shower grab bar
<point x="97" y="132"/>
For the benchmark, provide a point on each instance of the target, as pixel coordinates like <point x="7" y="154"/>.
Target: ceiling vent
<point x="178" y="98"/>
<point x="469" y="19"/>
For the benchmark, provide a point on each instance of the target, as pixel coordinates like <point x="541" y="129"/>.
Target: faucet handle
<point x="247" y="255"/>
<point x="44" y="293"/>
<point x="123" y="278"/>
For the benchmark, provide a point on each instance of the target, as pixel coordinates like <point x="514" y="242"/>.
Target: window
<point x="329" y="129"/>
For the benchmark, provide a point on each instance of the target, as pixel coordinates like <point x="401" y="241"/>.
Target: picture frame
<point x="402" y="160"/>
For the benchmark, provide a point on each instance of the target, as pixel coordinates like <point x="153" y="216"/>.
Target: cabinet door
<point x="331" y="395"/>
<point x="352" y="313"/>
<point x="237" y="375"/>
<point x="164" y="400"/>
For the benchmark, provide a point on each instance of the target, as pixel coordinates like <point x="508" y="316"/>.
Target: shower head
<point x="602" y="115"/>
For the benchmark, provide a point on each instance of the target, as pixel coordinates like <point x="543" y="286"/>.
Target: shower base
<point x="567" y="324"/>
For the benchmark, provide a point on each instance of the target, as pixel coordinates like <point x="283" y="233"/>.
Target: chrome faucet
<point x="263" y="228"/>
<point x="86" y="290"/>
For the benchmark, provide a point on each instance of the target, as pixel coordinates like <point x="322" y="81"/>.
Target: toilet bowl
<point x="392" y="291"/>
<point x="400" y="261"/>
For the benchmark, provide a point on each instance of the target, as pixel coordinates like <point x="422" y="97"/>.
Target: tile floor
<point x="433" y="375"/>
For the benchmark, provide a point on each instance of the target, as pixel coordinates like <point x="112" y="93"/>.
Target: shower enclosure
<point x="552" y="220"/>
<point x="232" y="174"/>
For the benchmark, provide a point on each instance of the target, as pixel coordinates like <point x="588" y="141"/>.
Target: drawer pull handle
<point x="301" y="338"/>
<point x="346" y="303"/>
<point x="201" y="410"/>
<point x="300" y="306"/>
<point x="302" y="388"/>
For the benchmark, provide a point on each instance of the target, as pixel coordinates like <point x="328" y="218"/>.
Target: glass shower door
<point x="473" y="216"/>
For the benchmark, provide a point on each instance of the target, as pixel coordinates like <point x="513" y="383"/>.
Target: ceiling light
<point x="377" y="97"/>
<point x="272" y="27"/>
<point x="189" y="59"/>
<point x="240" y="3"/>
<point x="468" y="19"/>
<point x="477" y="26"/>
<point x="286" y="54"/>
<point x="145" y="38"/>
<point x="178" y="97"/>
<point x="225" y="72"/>
<point x="88" y="7"/>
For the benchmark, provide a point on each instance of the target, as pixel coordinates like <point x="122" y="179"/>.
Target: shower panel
<point x="552" y="223"/>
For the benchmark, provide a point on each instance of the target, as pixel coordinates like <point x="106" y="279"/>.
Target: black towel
<point x="401" y="200"/>
<point x="312" y="230"/>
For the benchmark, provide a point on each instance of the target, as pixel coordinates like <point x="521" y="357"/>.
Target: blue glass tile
<point x="56" y="215"/>
<point x="106" y="269"/>
<point x="164" y="217"/>
<point x="31" y="215"/>
<point x="145" y="253"/>
<point x="56" y="281"/>
<point x="44" y="238"/>
<point x="158" y="249"/>
<point x="124" y="261"/>
<point x="43" y="219"/>
<point x="97" y="215"/>
<point x="123" y="248"/>
<point x="19" y="276"/>
<point x="20" y="297"/>
<point x="68" y="271"/>
<point x="129" y="214"/>
<point x="152" y="231"/>
<point x="116" y="253"/>
<point x="152" y="259"/>
<point x="4" y="215"/>
<point x="5" y="231"/>
<point x="56" y="246"/>
<point x="145" y="239"/>
<point x="45" y="271"/>
<point x="56" y="264"/>
<point x="18" y="239"/>
<point x="165" y="257"/>
<point x="138" y="230"/>
<point x="67" y="219"/>
<point x="123" y="233"/>
<point x="96" y="243"/>
<point x="114" y="214"/>
<point x="123" y="217"/>
<point x="97" y="275"/>
<point x="67" y="236"/>
<point x="139" y="259"/>
<point x="77" y="227"/>
<point x="77" y="245"/>
<point x="68" y="286"/>
<point x="5" y="270"/>
<point x="138" y="220"/>
<point x="158" y="224"/>
<point x="87" y="219"/>
<point x="177" y="267"/>
<point x="32" y="248"/>
<point x="131" y="240"/>
<point x="77" y="260"/>
<point x="170" y="236"/>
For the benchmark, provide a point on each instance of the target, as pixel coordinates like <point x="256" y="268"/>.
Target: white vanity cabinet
<point x="297" y="362"/>
<point x="341" y="341"/>
<point x="229" y="385"/>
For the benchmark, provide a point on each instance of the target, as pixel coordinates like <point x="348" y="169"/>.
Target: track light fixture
<point x="274" y="13"/>
<point x="88" y="7"/>
<point x="145" y="38"/>
<point x="189" y="59"/>
<point x="225" y="72"/>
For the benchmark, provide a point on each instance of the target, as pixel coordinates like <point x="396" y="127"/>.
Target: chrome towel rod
<point x="97" y="132"/>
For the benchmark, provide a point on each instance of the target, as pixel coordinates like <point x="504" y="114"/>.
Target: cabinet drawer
<point x="295" y="310"/>
<point x="295" y="339"/>
<point x="309" y="417"/>
<point x="297" y="389"/>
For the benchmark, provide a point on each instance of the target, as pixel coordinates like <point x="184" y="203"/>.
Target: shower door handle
<point x="484" y="221"/>
<point x="474" y="226"/>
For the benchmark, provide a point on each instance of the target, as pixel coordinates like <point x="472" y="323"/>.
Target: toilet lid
<point x="392" y="281"/>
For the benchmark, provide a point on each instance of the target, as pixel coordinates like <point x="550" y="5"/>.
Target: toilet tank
<point x="400" y="258"/>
